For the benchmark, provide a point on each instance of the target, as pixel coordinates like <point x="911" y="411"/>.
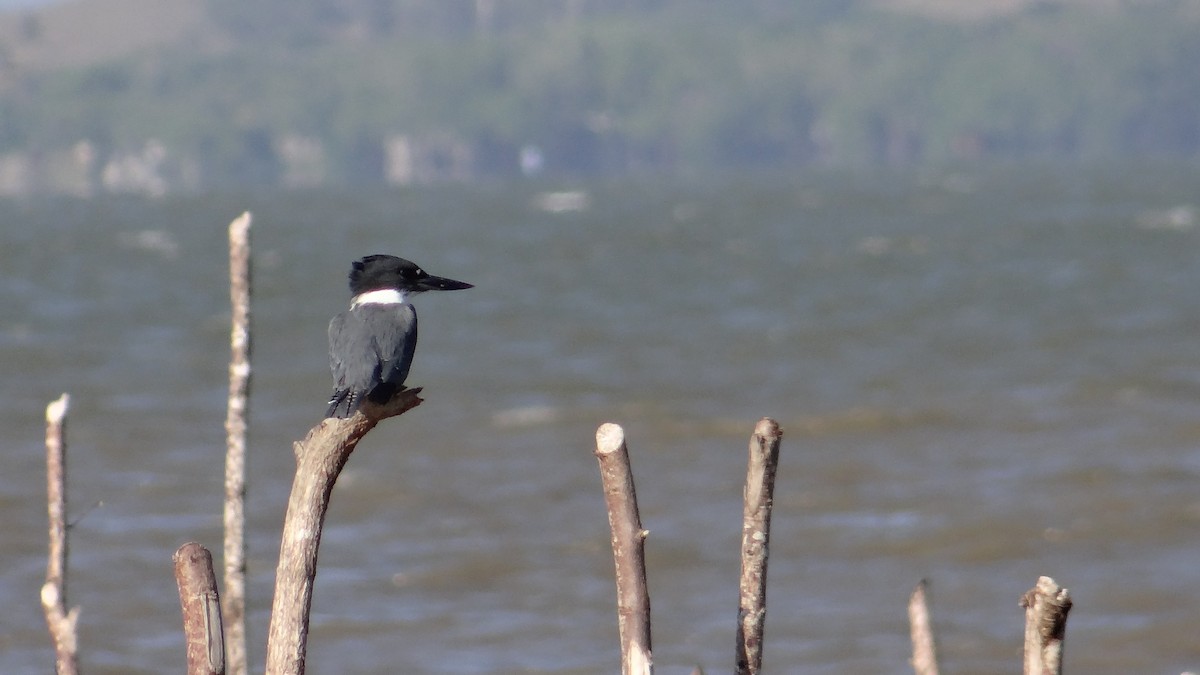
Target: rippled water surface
<point x="983" y="376"/>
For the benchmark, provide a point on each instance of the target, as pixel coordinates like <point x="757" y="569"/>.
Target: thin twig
<point x="628" y="542"/>
<point x="924" y="659"/>
<point x="235" y="444"/>
<point x="1046" y="607"/>
<point x="757" y="498"/>
<point x="54" y="592"/>
<point x="319" y="459"/>
<point x="201" y="606"/>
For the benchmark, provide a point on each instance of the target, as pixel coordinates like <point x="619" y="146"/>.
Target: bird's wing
<point x="352" y="359"/>
<point x="395" y="335"/>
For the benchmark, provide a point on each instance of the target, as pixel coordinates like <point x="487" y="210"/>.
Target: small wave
<point x="526" y="416"/>
<point x="1181" y="218"/>
<point x="865" y="419"/>
<point x="878" y="246"/>
<point x="151" y="241"/>
<point x="562" y="202"/>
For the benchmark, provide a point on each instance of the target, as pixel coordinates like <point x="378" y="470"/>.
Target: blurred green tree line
<point x="626" y="85"/>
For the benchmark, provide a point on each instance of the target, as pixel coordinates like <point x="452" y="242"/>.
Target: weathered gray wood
<point x="319" y="459"/>
<point x="201" y="607"/>
<point x="1046" y="607"/>
<point x="235" y="445"/>
<point x="924" y="659"/>
<point x="758" y="499"/>
<point x="54" y="592"/>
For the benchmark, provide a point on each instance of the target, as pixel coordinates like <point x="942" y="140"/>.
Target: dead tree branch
<point x="758" y="498"/>
<point x="924" y="659"/>
<point x="201" y="606"/>
<point x="1046" y="607"/>
<point x="319" y="459"/>
<point x="235" y="444"/>
<point x="54" y="592"/>
<point x="628" y="542"/>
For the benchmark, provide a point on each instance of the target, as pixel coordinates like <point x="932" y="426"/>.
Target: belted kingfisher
<point x="371" y="345"/>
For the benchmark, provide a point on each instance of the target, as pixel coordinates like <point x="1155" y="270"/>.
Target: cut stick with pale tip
<point x="609" y="438"/>
<point x="59" y="620"/>
<point x="628" y="542"/>
<point x="56" y="410"/>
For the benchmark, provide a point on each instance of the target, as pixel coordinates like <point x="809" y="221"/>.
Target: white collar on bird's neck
<point x="383" y="296"/>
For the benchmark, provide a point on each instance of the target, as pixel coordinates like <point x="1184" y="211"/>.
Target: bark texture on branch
<point x="201" y="607"/>
<point x="758" y="499"/>
<point x="54" y="592"/>
<point x="924" y="659"/>
<point x="628" y="542"/>
<point x="319" y="459"/>
<point x="235" y="444"/>
<point x="1046" y="607"/>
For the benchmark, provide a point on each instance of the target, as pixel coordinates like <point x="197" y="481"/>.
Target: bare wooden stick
<point x="628" y="542"/>
<point x="924" y="659"/>
<point x="201" y="606"/>
<point x="54" y="592"/>
<point x="757" y="498"/>
<point x="319" y="459"/>
<point x="235" y="444"/>
<point x="1046" y="607"/>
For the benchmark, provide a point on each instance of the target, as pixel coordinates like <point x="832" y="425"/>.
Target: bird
<point x="371" y="344"/>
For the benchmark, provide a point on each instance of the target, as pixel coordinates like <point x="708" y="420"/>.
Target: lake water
<point x="983" y="376"/>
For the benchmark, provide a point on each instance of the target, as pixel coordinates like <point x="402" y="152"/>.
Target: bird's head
<point x="387" y="272"/>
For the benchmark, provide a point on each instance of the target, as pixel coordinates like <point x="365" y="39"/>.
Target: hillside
<point x="92" y="32"/>
<point x="154" y="95"/>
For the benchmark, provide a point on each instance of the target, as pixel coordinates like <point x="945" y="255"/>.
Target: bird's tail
<point x="343" y="403"/>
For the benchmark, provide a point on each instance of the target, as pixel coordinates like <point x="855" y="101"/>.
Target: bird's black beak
<point x="432" y="283"/>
